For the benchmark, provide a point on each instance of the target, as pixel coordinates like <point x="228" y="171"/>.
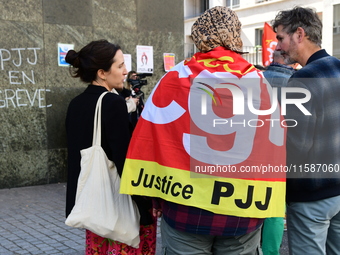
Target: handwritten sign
<point x="22" y="97"/>
<point x="11" y="60"/>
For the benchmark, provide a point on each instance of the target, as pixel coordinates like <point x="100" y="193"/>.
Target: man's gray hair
<point x="306" y="18"/>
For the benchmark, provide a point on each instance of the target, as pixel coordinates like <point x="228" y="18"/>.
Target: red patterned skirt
<point x="97" y="245"/>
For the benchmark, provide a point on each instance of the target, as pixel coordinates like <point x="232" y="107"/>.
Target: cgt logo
<point x="224" y="107"/>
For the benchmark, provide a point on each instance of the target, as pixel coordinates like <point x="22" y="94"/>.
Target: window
<point x="204" y="5"/>
<point x="261" y="1"/>
<point x="258" y="36"/>
<point x="233" y="4"/>
<point x="336" y="31"/>
<point x="196" y="8"/>
<point x="336" y="19"/>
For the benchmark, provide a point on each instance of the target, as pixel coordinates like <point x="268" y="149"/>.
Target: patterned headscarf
<point x="218" y="26"/>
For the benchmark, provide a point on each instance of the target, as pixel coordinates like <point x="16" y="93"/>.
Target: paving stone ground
<point x="32" y="222"/>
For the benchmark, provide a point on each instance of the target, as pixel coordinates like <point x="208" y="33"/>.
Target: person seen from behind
<point x="167" y="153"/>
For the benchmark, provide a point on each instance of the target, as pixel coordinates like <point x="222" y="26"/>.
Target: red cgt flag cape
<point x="269" y="43"/>
<point x="208" y="137"/>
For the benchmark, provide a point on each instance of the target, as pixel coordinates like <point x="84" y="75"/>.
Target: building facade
<point x="254" y="13"/>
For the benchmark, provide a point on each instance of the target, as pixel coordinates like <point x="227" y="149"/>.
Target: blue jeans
<point x="176" y="242"/>
<point x="314" y="227"/>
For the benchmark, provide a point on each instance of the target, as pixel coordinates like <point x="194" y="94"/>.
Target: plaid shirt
<point x="197" y="221"/>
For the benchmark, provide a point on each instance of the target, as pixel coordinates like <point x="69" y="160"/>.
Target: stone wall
<point x="35" y="91"/>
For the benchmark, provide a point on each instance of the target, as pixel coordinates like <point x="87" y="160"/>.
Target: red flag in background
<point x="268" y="44"/>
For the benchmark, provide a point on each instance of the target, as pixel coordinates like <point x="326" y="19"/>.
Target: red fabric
<point x="97" y="245"/>
<point x="163" y="143"/>
<point x="269" y="43"/>
<point x="175" y="138"/>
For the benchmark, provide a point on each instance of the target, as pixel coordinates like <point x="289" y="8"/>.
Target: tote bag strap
<point x="97" y="124"/>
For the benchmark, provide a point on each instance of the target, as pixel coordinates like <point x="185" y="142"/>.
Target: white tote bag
<point x="99" y="206"/>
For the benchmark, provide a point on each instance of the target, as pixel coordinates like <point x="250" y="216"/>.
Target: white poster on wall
<point x="63" y="48"/>
<point x="144" y="59"/>
<point x="127" y="61"/>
